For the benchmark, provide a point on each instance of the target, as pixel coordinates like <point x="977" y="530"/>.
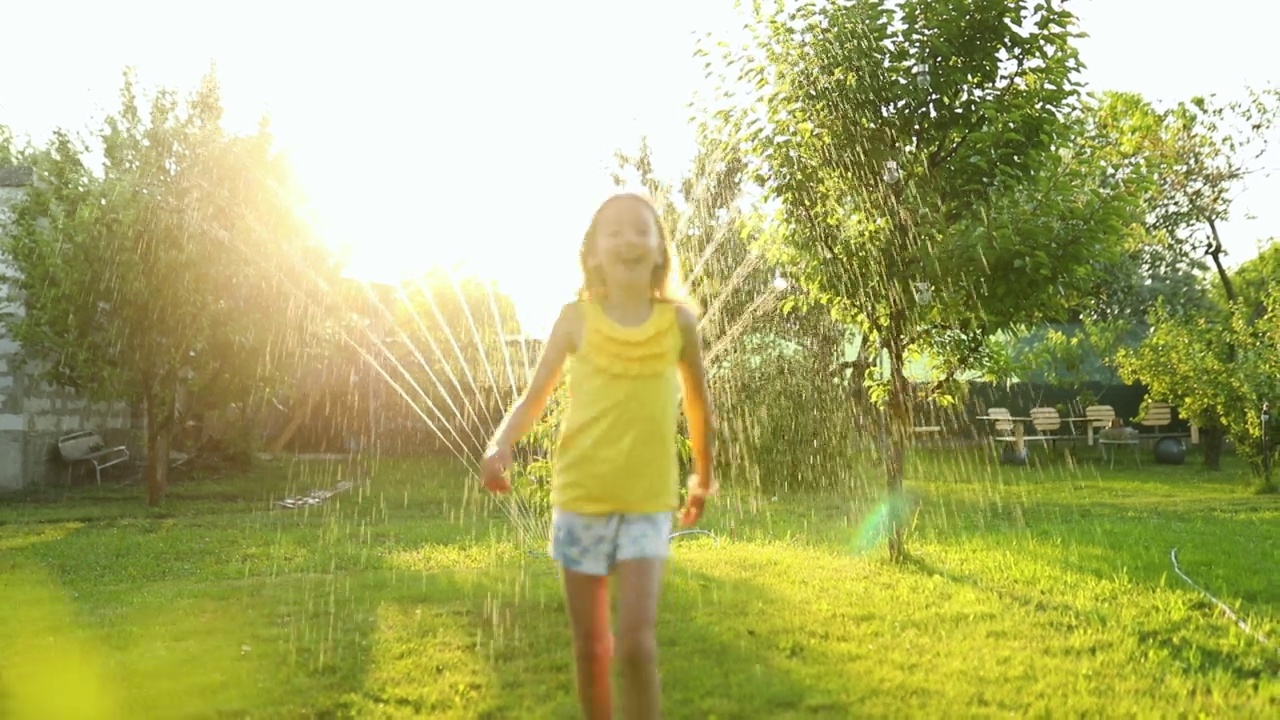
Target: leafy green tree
<point x="1218" y="370"/>
<point x="1113" y="130"/>
<point x="1122" y="133"/>
<point x="765" y="346"/>
<point x="917" y="152"/>
<point x="1256" y="278"/>
<point x="1201" y="154"/>
<point x="183" y="265"/>
<point x="8" y="154"/>
<point x="1188" y="161"/>
<point x="440" y="352"/>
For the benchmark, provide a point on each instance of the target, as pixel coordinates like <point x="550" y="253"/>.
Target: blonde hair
<point x="666" y="284"/>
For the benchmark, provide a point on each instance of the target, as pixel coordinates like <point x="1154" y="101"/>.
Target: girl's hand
<point x="696" y="501"/>
<point x="692" y="511"/>
<point x="493" y="470"/>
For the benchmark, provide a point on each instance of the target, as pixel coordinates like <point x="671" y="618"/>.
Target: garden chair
<point x="86" y="446"/>
<point x="928" y="427"/>
<point x="1159" y="415"/>
<point x="1003" y="426"/>
<point x="1099" y="418"/>
<point x="1048" y="426"/>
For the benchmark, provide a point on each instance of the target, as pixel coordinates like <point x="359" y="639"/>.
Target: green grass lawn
<point x="1037" y="591"/>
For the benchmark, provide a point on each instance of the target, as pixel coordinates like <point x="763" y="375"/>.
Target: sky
<point x="480" y="135"/>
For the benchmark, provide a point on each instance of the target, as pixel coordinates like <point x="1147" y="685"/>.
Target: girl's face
<point x="628" y="246"/>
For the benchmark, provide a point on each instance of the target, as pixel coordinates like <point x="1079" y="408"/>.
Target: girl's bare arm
<point x="528" y="409"/>
<point x="697" y="399"/>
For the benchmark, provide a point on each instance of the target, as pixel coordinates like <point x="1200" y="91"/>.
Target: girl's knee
<point x="595" y="648"/>
<point x="638" y="647"/>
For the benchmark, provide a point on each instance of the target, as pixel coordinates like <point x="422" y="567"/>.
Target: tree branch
<point x="1215" y="253"/>
<point x="938" y="156"/>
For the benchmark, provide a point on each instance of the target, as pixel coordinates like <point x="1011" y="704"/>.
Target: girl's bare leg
<point x="587" y="597"/>
<point x="639" y="584"/>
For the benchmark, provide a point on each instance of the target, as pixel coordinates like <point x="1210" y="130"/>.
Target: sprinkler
<point x="1266" y="449"/>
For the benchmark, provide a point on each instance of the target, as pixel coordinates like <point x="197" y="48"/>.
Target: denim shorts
<point x="593" y="544"/>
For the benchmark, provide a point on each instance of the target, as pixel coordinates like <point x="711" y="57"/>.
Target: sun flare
<point x="535" y="268"/>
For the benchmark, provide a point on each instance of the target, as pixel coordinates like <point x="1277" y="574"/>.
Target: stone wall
<point x="33" y="415"/>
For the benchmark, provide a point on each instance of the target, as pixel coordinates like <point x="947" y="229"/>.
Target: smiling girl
<point x="629" y="347"/>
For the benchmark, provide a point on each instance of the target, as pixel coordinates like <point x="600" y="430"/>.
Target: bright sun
<point x="437" y="137"/>
<point x="527" y="247"/>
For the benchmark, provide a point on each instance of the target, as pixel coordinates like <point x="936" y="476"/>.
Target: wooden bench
<point x="87" y="446"/>
<point x="930" y="434"/>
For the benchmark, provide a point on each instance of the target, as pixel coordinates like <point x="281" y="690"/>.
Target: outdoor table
<point x="1019" y="435"/>
<point x="1088" y="426"/>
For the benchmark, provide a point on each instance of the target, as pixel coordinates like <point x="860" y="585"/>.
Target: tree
<point x="1120" y="132"/>
<point x="1200" y="154"/>
<point x="1218" y="364"/>
<point x="918" y="152"/>
<point x="1218" y="369"/>
<point x="1115" y="131"/>
<point x="438" y="353"/>
<point x="184" y="264"/>
<point x="764" y="346"/>
<point x="8" y="155"/>
<point x="1256" y="278"/>
<point x="1188" y="162"/>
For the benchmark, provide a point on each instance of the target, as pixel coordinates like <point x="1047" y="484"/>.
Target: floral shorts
<point x="593" y="544"/>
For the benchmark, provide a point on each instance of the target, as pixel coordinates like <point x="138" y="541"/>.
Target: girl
<point x="629" y="346"/>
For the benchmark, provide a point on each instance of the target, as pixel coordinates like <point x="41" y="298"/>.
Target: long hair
<point x="665" y="284"/>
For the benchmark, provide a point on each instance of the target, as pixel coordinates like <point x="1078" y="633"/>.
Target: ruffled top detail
<point x="650" y="348"/>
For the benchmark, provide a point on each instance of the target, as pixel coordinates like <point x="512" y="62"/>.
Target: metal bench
<point x="87" y="446"/>
<point x="1110" y="439"/>
<point x="1109" y="434"/>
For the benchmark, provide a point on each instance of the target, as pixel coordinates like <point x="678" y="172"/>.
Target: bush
<point x="785" y="421"/>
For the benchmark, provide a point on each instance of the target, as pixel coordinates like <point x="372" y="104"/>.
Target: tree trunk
<point x="160" y="426"/>
<point x="1212" y="438"/>
<point x="1215" y="253"/>
<point x="157" y="466"/>
<point x="898" y="427"/>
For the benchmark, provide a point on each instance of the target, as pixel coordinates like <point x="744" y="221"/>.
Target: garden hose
<point x="1173" y="555"/>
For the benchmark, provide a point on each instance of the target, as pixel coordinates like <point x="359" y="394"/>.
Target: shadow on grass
<point x="515" y="658"/>
<point x="216" y="607"/>
<point x="1080" y="547"/>
<point x="1190" y="648"/>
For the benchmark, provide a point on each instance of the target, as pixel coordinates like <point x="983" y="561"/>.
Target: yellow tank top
<point x="617" y="447"/>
